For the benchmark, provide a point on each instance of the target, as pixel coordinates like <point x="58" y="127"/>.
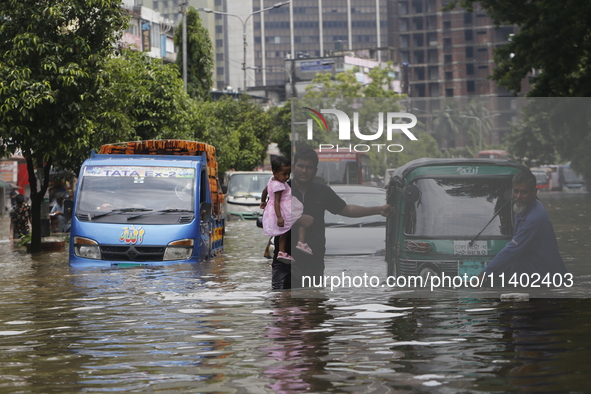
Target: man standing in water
<point x="533" y="249"/>
<point x="317" y="198"/>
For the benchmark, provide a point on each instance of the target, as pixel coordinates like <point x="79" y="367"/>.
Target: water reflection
<point x="217" y="327"/>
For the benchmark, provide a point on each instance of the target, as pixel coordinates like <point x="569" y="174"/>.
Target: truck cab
<point x="144" y="210"/>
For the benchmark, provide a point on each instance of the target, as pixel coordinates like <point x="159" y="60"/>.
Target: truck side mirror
<point x="411" y="193"/>
<point x="205" y="210"/>
<point x="225" y="189"/>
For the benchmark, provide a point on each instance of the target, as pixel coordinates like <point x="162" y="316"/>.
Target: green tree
<point x="553" y="38"/>
<point x="281" y="119"/>
<point x="141" y="98"/>
<point x="200" y="63"/>
<point x="240" y="130"/>
<point x="347" y="94"/>
<point x="554" y="42"/>
<point x="52" y="54"/>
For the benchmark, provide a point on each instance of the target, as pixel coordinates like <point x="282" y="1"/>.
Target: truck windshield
<point x="127" y="190"/>
<point x="248" y="185"/>
<point x="460" y="208"/>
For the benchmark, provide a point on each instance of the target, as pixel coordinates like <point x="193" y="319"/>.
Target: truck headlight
<point x="179" y="250"/>
<point x="87" y="248"/>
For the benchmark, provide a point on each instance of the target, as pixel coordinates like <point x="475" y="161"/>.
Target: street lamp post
<point x="479" y="125"/>
<point x="243" y="21"/>
<point x="184" y="45"/>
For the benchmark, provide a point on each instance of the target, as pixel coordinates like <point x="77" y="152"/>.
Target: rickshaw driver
<point x="317" y="198"/>
<point x="533" y="249"/>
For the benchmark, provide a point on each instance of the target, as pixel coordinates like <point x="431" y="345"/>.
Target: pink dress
<point x="291" y="209"/>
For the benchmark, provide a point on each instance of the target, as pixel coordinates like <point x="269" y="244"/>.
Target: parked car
<point x="356" y="236"/>
<point x="352" y="236"/>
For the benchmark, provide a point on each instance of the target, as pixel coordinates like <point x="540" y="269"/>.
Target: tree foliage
<point x="52" y="54"/>
<point x="281" y="120"/>
<point x="553" y="42"/>
<point x="141" y="98"/>
<point x="239" y="129"/>
<point x="554" y="37"/>
<point x="200" y="62"/>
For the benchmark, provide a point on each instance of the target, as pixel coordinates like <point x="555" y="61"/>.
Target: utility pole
<point x="184" y="33"/>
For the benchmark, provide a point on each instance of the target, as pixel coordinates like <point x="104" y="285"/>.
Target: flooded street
<point x="217" y="327"/>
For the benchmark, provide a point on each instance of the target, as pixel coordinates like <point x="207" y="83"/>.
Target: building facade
<point x="448" y="53"/>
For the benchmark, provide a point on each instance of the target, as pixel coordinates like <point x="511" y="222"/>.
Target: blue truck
<point x="147" y="203"/>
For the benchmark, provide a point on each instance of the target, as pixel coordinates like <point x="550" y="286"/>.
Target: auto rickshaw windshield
<point x="460" y="207"/>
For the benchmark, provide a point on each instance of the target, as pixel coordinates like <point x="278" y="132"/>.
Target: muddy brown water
<point x="217" y="327"/>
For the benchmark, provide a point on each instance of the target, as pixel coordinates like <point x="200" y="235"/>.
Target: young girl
<point x="282" y="210"/>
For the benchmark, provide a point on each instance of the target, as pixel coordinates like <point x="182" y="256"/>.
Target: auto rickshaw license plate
<point x="478" y="248"/>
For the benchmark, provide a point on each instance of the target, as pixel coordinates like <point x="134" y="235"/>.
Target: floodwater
<point x="217" y="327"/>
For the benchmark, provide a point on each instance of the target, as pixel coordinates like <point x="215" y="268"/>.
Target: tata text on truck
<point x="451" y="216"/>
<point x="147" y="203"/>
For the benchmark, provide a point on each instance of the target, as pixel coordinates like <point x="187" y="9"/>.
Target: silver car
<point x="356" y="236"/>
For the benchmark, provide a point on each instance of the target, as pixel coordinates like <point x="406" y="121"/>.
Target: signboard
<point x="139" y="172"/>
<point x="478" y="248"/>
<point x="315" y="65"/>
<point x="146" y="36"/>
<point x="337" y="156"/>
<point x="9" y="171"/>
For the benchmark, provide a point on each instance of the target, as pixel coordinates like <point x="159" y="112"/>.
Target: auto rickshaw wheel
<point x="427" y="271"/>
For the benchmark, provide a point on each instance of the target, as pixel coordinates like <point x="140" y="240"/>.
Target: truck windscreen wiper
<point x="120" y="210"/>
<point x="160" y="212"/>
<point x="378" y="223"/>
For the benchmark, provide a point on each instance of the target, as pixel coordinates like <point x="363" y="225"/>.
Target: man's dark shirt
<point x="317" y="199"/>
<point x="533" y="248"/>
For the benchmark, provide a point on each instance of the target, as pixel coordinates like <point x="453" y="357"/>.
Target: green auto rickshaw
<point x="451" y="216"/>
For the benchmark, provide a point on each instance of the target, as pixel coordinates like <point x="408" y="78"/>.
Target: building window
<point x="447" y="58"/>
<point x="433" y="73"/>
<point x="468" y="35"/>
<point x="470" y="86"/>
<point x="469" y="52"/>
<point x="419" y="73"/>
<point x="469" y="69"/>
<point x="219" y="57"/>
<point x="468" y="18"/>
<point x="220" y="71"/>
<point x="449" y="75"/>
<point x="449" y="92"/>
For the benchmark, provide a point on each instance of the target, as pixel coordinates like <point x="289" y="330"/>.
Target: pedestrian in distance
<point x="282" y="210"/>
<point x="533" y="248"/>
<point x="20" y="218"/>
<point x="317" y="198"/>
<point x="58" y="211"/>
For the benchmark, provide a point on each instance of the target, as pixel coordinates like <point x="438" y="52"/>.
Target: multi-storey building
<point x="449" y="53"/>
<point x="299" y="29"/>
<point x="149" y="31"/>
